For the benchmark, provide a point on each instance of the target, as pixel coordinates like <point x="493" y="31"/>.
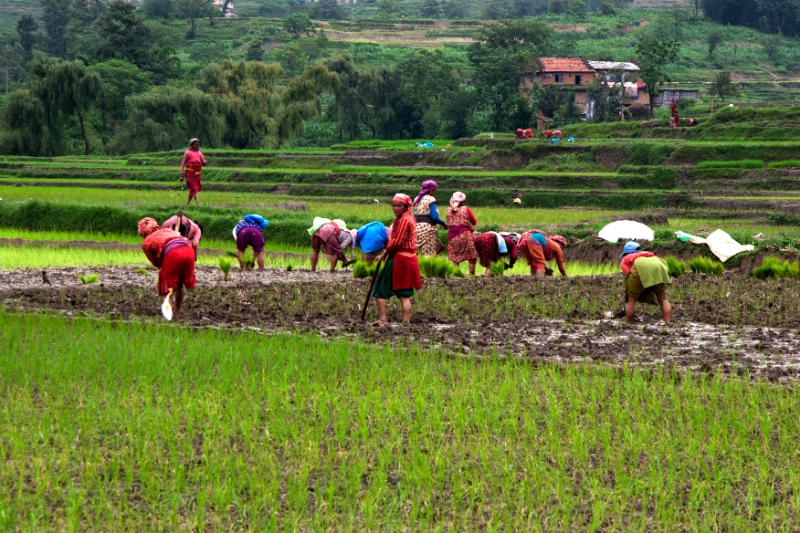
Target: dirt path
<point x="732" y="325"/>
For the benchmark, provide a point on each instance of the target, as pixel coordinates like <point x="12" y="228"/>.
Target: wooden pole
<point x="369" y="292"/>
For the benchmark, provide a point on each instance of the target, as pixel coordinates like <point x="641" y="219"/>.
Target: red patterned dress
<point x="460" y="239"/>
<point x="192" y="165"/>
<point x="401" y="274"/>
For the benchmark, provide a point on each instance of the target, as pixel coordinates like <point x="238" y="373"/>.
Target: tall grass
<point x="706" y="266"/>
<point x="136" y="427"/>
<point x="774" y="267"/>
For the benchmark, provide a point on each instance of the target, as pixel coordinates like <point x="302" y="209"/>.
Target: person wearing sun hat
<point x="400" y="275"/>
<point x="326" y="235"/>
<point x="173" y="255"/>
<point x="646" y="280"/>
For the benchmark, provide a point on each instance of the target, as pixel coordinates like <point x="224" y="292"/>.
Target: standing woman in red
<point x="400" y="276"/>
<point x="191" y="169"/>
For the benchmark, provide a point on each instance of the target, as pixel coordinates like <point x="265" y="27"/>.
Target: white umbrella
<point x="626" y="229"/>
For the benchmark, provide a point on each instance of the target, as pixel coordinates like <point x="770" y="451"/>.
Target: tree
<point x="196" y="9"/>
<point x="714" y="38"/>
<point x="722" y="86"/>
<point x="298" y="24"/>
<point x="606" y="98"/>
<point x="387" y="7"/>
<point x="430" y="9"/>
<point x="654" y="56"/>
<point x="328" y="9"/>
<point x="606" y="8"/>
<point x="301" y="100"/>
<point x="501" y="58"/>
<point x="772" y="45"/>
<point x="550" y="99"/>
<point x="58" y="92"/>
<point x="26" y="28"/>
<point x="159" y="9"/>
<point x="121" y="79"/>
<point x="56" y="16"/>
<point x="125" y="35"/>
<point x="577" y="9"/>
<point x="255" y="51"/>
<point x="454" y="9"/>
<point x="557" y="6"/>
<point x="779" y="13"/>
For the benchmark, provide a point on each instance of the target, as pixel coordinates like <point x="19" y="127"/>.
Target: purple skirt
<point x="250" y="236"/>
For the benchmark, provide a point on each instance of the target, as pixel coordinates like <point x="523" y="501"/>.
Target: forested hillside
<point x="113" y="77"/>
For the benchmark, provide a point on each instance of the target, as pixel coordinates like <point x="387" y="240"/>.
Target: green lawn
<point x="132" y="427"/>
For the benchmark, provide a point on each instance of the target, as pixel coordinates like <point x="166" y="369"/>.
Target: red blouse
<point x="627" y="262"/>
<point x="404" y="235"/>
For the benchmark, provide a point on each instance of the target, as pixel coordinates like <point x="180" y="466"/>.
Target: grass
<point x="745" y="163"/>
<point x="706" y="266"/>
<point x="774" y="267"/>
<point x="222" y="430"/>
<point x="675" y="266"/>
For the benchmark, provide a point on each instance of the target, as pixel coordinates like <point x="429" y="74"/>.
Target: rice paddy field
<point x="509" y="403"/>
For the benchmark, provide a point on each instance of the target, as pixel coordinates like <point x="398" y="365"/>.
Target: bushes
<point x="676" y="267"/>
<point x="773" y="268"/>
<point x="744" y="163"/>
<point x="706" y="266"/>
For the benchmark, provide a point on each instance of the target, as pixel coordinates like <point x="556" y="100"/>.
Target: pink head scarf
<point x="147" y="226"/>
<point x="403" y="198"/>
<point x="457" y="199"/>
<point x="427" y="187"/>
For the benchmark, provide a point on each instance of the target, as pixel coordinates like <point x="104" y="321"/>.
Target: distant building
<point x="221" y="5"/>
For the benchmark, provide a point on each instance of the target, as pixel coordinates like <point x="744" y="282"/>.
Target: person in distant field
<point x="548" y="134"/>
<point x="674" y="117"/>
<point x="538" y="248"/>
<point x="460" y="240"/>
<point x="249" y="232"/>
<point x="329" y="238"/>
<point x="493" y="247"/>
<point x="192" y="168"/>
<point x="646" y="280"/>
<point x="187" y="228"/>
<point x="427" y="216"/>
<point x="173" y="255"/>
<point x="400" y="274"/>
<point x="519" y="133"/>
<point x="529" y="133"/>
<point x="372" y="239"/>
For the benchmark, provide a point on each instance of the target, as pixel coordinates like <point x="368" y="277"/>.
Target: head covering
<point x="630" y="247"/>
<point x="404" y="198"/>
<point x="539" y="238"/>
<point x="259" y="221"/>
<point x="339" y="222"/>
<point x="192" y="141"/>
<point x="147" y="226"/>
<point x="559" y="239"/>
<point x="517" y="201"/>
<point x="427" y="187"/>
<point x="457" y="199"/>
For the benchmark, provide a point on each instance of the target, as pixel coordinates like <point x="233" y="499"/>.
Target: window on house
<point x="559" y="78"/>
<point x="578" y="79"/>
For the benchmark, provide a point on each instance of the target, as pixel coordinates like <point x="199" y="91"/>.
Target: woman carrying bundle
<point x="646" y="280"/>
<point x="173" y="255"/>
<point x="192" y="168"/>
<point x="248" y="232"/>
<point x="460" y="240"/>
<point x="538" y="248"/>
<point x="493" y="247"/>
<point x="400" y="275"/>
<point x="427" y="218"/>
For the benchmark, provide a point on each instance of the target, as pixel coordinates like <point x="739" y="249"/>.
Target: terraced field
<point x="514" y="400"/>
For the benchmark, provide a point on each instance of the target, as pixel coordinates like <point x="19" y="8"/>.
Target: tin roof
<point x="613" y="65"/>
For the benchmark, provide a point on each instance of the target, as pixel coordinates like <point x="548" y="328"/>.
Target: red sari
<point x="403" y="248"/>
<point x="192" y="165"/>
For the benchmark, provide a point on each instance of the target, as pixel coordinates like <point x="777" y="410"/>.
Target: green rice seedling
<point x="225" y="263"/>
<point x="363" y="270"/>
<point x="248" y="260"/>
<point x="706" y="266"/>
<point x="438" y="267"/>
<point x="498" y="268"/>
<point x="289" y="267"/>
<point x="744" y="163"/>
<point x="143" y="271"/>
<point x="773" y="268"/>
<point x="86" y="280"/>
<point x="675" y="266"/>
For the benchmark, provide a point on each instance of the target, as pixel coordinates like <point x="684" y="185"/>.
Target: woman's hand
<point x="181" y="178"/>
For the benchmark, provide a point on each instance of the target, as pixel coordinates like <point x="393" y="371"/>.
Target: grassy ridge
<point x="125" y="427"/>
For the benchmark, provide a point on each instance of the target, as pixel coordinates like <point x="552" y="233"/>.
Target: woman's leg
<point x="260" y="259"/>
<point x="666" y="308"/>
<point x="381" y="302"/>
<point x="488" y="272"/>
<point x="314" y="259"/>
<point x="405" y="308"/>
<point x="472" y="267"/>
<point x="240" y="257"/>
<point x="630" y="308"/>
<point x="178" y="300"/>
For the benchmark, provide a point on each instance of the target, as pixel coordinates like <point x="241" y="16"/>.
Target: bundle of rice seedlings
<point x="142" y="271"/>
<point x="248" y="260"/>
<point x="773" y="268"/>
<point x="289" y="267"/>
<point x="91" y="278"/>
<point x="498" y="268"/>
<point x="225" y="263"/>
<point x="436" y="267"/>
<point x="675" y="266"/>
<point x="362" y="270"/>
<point x="706" y="266"/>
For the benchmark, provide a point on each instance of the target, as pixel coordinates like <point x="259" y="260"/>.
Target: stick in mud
<point x="369" y="292"/>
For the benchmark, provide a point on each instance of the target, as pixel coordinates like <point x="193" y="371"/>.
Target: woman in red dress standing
<point x="191" y="169"/>
<point x="400" y="275"/>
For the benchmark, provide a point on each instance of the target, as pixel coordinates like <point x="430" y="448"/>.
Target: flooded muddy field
<point x="730" y="324"/>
